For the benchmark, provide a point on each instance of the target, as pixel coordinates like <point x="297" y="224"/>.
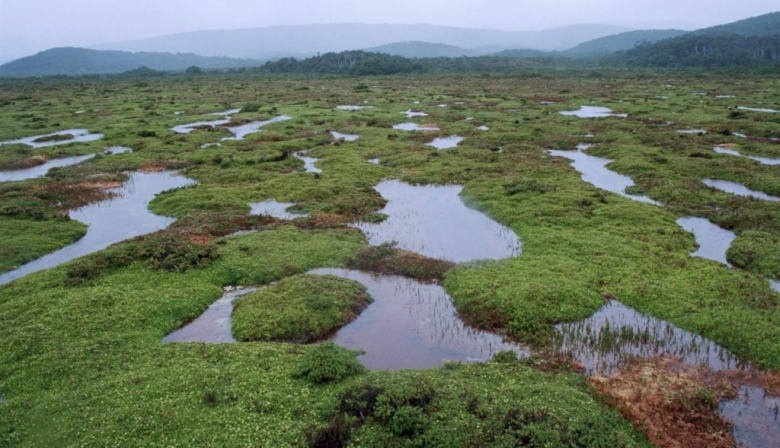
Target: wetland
<point x="276" y="285"/>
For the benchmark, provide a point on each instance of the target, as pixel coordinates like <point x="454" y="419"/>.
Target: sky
<point x="48" y="23"/>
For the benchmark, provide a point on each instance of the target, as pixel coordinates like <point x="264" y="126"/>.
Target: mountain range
<point x="754" y="41"/>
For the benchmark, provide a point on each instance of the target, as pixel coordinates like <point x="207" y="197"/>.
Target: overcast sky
<point x="83" y="22"/>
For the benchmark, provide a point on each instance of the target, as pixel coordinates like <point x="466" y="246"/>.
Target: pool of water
<point x="446" y="142"/>
<point x="713" y="241"/>
<point x="41" y="170"/>
<point x="755" y="417"/>
<point x="240" y="132"/>
<point x="483" y="128"/>
<point x="592" y="112"/>
<point x="759" y="109"/>
<point x="433" y="221"/>
<point x="738" y="189"/>
<point x="214" y="325"/>
<point x="353" y="108"/>
<point x="111" y="221"/>
<point x="692" y="131"/>
<point x="414" y="127"/>
<point x="761" y="160"/>
<point x="308" y="162"/>
<point x="412" y="325"/>
<point x="274" y="209"/>
<point x="189" y="127"/>
<point x="77" y="136"/>
<point x="411" y="114"/>
<point x="594" y="171"/>
<point x="345" y="137"/>
<point x="606" y="341"/>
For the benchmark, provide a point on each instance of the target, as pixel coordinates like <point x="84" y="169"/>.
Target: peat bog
<point x="643" y="251"/>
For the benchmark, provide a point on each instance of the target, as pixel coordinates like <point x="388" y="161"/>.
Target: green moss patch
<point x="298" y="309"/>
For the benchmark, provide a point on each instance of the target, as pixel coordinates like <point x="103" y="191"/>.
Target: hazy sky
<point x="83" y="22"/>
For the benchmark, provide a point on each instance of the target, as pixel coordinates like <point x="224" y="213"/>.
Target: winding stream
<point x="594" y="171"/>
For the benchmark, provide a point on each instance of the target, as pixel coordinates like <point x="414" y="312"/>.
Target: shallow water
<point x="412" y="325"/>
<point x="79" y="136"/>
<point x="713" y="241"/>
<point x="111" y="221"/>
<point x="592" y="112"/>
<point x="214" y="325"/>
<point x="274" y="209"/>
<point x="595" y="172"/>
<point x="41" y="170"/>
<point x="604" y="342"/>
<point x="761" y="160"/>
<point x="434" y="222"/>
<point x="692" y="131"/>
<point x="738" y="189"/>
<point x="374" y="161"/>
<point x="187" y="128"/>
<point x="755" y="416"/>
<point x="758" y="109"/>
<point x="414" y="127"/>
<point x="411" y="114"/>
<point x="353" y="108"/>
<point x="483" y="128"/>
<point x="308" y="162"/>
<point x="446" y="142"/>
<point x="345" y="137"/>
<point x="239" y="132"/>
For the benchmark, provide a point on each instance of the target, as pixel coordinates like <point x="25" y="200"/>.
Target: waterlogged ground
<point x="83" y="342"/>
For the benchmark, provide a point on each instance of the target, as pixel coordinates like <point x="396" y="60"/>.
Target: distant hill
<point x="279" y="41"/>
<point x="520" y="53"/>
<point x="419" y="49"/>
<point x="81" y="61"/>
<point x="763" y="25"/>
<point x="753" y="42"/>
<point x="619" y="42"/>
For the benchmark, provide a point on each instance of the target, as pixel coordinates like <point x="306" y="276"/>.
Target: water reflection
<point x="345" y="137"/>
<point x="595" y="172"/>
<point x="446" y="142"/>
<point x="738" y="189"/>
<point x="111" y="221"/>
<point x="412" y="325"/>
<point x="274" y="209"/>
<point x="414" y="127"/>
<point x="592" y="112"/>
<point x="432" y="221"/>
<point x="308" y="162"/>
<point x="732" y="152"/>
<point x="712" y="240"/>
<point x="214" y="325"/>
<point x="606" y="341"/>
<point x="76" y="136"/>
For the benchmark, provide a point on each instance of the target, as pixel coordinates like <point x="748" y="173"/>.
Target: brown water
<point x="412" y="325"/>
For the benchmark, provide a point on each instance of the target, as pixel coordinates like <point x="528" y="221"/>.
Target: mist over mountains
<point x="385" y="49"/>
<point x="280" y="41"/>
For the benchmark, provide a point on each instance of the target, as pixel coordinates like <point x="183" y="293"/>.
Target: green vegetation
<point x="81" y="358"/>
<point x="82" y="61"/>
<point x="298" y="309"/>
